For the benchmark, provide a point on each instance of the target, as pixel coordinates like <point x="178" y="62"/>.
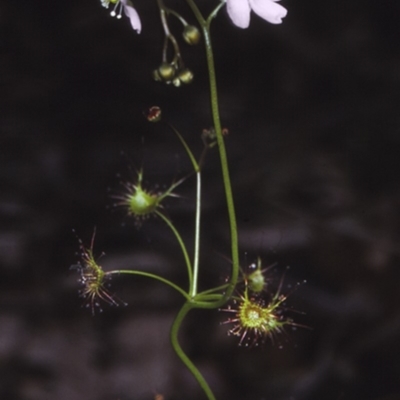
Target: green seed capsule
<point x="186" y="76"/>
<point x="177" y="82"/>
<point x="166" y="71"/>
<point x="191" y="34"/>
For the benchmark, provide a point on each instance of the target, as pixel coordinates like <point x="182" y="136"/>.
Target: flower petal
<point x="133" y="16"/>
<point x="268" y="10"/>
<point x="239" y="12"/>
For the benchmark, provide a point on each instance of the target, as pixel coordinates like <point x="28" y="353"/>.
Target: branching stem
<point x="208" y="299"/>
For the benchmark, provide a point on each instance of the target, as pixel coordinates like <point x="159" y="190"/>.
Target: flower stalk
<point x="253" y="316"/>
<point x="205" y="25"/>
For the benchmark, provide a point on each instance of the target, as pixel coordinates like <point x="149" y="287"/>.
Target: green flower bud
<point x="166" y="71"/>
<point x="176" y="82"/>
<point x="191" y="34"/>
<point x="186" y="76"/>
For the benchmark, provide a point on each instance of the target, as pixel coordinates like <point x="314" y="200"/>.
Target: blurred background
<point x="312" y="109"/>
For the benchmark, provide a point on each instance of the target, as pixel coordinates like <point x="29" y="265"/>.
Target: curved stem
<point x="207" y="300"/>
<point x="168" y="35"/>
<point x="196" y="12"/>
<point x="153" y="276"/>
<point x="182" y="244"/>
<point x="186" y="147"/>
<point x="185" y="359"/>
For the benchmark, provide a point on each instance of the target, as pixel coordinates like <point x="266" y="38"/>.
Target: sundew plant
<point x="252" y="310"/>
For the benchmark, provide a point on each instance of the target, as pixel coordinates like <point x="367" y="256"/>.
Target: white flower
<point x="239" y="11"/>
<point x="129" y="11"/>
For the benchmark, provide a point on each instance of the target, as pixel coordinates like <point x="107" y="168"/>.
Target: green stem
<point x="168" y="35"/>
<point x="207" y="300"/>
<point x="214" y="290"/>
<point x="182" y="244"/>
<point x="150" y="275"/>
<point x="196" y="260"/>
<point x="185" y="359"/>
<point x="212" y="300"/>
<point x="205" y="27"/>
<point x="196" y="166"/>
<point x="224" y="163"/>
<point x="196" y="257"/>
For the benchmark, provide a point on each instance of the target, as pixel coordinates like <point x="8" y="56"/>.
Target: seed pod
<point x="166" y="71"/>
<point x="177" y="82"/>
<point x="191" y="34"/>
<point x="186" y="76"/>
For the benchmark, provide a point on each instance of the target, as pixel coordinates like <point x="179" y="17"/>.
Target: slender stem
<point x="224" y="164"/>
<point x="196" y="260"/>
<point x="196" y="12"/>
<point x="171" y="188"/>
<point x="214" y="289"/>
<point x="150" y="275"/>
<point x="185" y="359"/>
<point x="212" y="300"/>
<point x="182" y="244"/>
<point x="195" y="164"/>
<point x="207" y="300"/>
<point x="174" y="13"/>
<point x="205" y="26"/>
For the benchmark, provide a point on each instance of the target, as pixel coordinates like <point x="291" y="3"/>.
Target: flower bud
<point x="191" y="34"/>
<point x="186" y="76"/>
<point x="176" y="82"/>
<point x="166" y="71"/>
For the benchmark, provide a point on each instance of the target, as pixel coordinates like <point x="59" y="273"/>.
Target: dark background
<point x="312" y="108"/>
